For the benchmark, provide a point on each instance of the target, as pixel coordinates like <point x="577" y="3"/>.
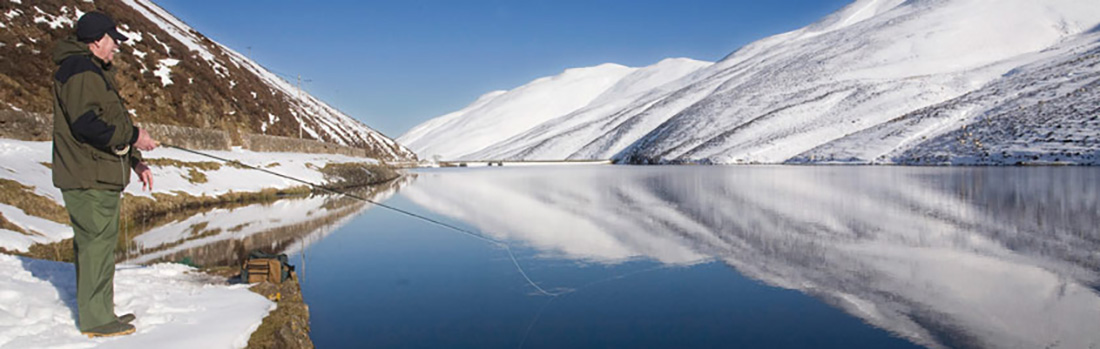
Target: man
<point x="94" y="144"/>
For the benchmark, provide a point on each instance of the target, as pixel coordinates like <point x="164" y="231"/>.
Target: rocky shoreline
<point x="288" y="325"/>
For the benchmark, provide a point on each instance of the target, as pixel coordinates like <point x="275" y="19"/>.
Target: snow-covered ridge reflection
<point x="961" y="257"/>
<point x="223" y="236"/>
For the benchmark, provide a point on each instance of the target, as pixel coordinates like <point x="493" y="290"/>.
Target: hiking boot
<point x="110" y="330"/>
<point x="127" y="318"/>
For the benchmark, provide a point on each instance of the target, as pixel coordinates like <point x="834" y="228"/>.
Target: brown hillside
<point x="217" y="92"/>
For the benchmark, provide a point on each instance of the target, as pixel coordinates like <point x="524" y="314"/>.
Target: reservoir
<point x="703" y="257"/>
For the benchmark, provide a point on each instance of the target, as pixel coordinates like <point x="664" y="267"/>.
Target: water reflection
<point x="959" y="257"/>
<point x="224" y="236"/>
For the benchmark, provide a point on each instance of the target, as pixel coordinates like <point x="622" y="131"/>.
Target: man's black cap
<point x="92" y="25"/>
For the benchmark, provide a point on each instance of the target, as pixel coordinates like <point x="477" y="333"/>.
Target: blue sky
<point x="395" y="64"/>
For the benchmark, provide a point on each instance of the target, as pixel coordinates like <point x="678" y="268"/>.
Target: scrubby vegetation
<point x="13" y="193"/>
<point x="196" y="165"/>
<point x="356" y="174"/>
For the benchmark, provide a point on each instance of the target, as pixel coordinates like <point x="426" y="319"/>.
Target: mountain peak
<point x="870" y="62"/>
<point x="854" y="13"/>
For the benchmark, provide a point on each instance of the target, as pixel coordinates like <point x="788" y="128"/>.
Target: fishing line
<point x="530" y="326"/>
<point x="538" y="315"/>
<point x="391" y="208"/>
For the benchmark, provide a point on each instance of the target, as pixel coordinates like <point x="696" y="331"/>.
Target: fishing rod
<point x="391" y="208"/>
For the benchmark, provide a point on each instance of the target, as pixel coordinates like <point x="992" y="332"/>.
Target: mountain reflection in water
<point x="959" y="257"/>
<point x="224" y="236"/>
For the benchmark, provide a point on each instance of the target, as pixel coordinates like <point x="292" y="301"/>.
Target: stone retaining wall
<point x="26" y="126"/>
<point x="189" y="137"/>
<point x="29" y="126"/>
<point x="264" y="143"/>
<point x="201" y="139"/>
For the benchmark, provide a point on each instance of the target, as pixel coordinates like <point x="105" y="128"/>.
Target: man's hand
<point x="144" y="141"/>
<point x="146" y="176"/>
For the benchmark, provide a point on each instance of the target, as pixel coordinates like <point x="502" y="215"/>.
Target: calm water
<point x="718" y="257"/>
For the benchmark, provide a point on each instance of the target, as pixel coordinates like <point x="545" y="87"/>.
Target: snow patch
<point x="55" y="22"/>
<point x="164" y="70"/>
<point x="135" y="37"/>
<point x="39" y="230"/>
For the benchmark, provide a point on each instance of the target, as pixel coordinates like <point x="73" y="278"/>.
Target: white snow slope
<point x="1045" y="112"/>
<point x="867" y="64"/>
<point x="508" y="119"/>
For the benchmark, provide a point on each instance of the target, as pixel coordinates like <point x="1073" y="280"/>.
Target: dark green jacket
<point x="90" y="122"/>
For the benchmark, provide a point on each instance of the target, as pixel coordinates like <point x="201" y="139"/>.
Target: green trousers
<point x="94" y="214"/>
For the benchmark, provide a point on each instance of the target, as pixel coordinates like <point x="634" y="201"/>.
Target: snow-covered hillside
<point x="498" y="116"/>
<point x="1045" y="112"/>
<point x="513" y="121"/>
<point x="561" y="137"/>
<point x="172" y="74"/>
<point x="318" y="119"/>
<point x="864" y="66"/>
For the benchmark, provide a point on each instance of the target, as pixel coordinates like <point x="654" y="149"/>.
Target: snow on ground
<point x="226" y="179"/>
<point x="54" y="22"/>
<point x="164" y="70"/>
<point x="25" y="162"/>
<point x="174" y="308"/>
<point x="40" y="230"/>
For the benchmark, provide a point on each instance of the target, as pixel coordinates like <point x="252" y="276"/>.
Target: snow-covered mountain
<point x="170" y="73"/>
<point x="1044" y="112"/>
<point x="516" y="121"/>
<point x="814" y="89"/>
